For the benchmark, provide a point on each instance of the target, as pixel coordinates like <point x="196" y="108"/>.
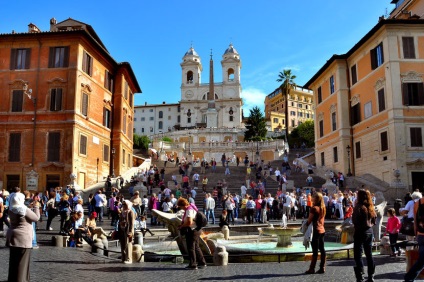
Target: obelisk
<point x="211" y="114"/>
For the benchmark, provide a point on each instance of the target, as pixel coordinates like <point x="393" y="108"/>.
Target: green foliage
<point x="141" y="141"/>
<point x="167" y="139"/>
<point x="303" y="133"/>
<point x="256" y="126"/>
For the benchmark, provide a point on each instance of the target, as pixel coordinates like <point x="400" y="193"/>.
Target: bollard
<point x="220" y="256"/>
<point x="105" y="245"/>
<point x="137" y="253"/>
<point x="226" y="231"/>
<point x="97" y="247"/>
<point x="138" y="238"/>
<point x="58" y="241"/>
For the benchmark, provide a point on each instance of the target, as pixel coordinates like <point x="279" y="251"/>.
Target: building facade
<point x="370" y="104"/>
<point x="156" y="118"/>
<point x="67" y="108"/>
<point x="300" y="108"/>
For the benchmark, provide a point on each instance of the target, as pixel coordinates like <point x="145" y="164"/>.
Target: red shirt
<point x="186" y="179"/>
<point x="393" y="225"/>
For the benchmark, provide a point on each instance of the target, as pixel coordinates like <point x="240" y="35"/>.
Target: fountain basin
<point x="284" y="235"/>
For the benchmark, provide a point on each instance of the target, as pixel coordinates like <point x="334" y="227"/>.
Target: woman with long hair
<point x="316" y="217"/>
<point x="363" y="219"/>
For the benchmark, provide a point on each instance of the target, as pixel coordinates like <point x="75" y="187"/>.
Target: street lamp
<point x="28" y="92"/>
<point x="113" y="162"/>
<point x="348" y="160"/>
<point x="189" y="143"/>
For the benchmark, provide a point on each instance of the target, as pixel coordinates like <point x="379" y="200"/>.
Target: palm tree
<point x="287" y="79"/>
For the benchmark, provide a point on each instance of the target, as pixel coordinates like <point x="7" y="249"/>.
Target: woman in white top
<point x="167" y="206"/>
<point x="79" y="208"/>
<point x="408" y="212"/>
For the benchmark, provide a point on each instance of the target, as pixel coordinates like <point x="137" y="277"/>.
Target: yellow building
<point x="370" y="104"/>
<point x="300" y="108"/>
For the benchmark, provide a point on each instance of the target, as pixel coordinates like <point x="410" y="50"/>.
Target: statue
<point x="73" y="182"/>
<point x="379" y="209"/>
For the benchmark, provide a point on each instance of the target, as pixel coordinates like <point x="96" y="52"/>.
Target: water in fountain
<point x="284" y="221"/>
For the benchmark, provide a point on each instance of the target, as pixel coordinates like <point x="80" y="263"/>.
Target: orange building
<point x="370" y="106"/>
<point x="67" y="108"/>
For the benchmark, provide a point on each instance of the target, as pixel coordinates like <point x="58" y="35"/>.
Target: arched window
<point x="230" y="76"/>
<point x="160" y="114"/>
<point x="160" y="124"/>
<point x="189" y="77"/>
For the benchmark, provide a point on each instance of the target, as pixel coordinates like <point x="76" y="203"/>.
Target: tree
<point x="141" y="141"/>
<point x="304" y="133"/>
<point x="287" y="79"/>
<point x="255" y="125"/>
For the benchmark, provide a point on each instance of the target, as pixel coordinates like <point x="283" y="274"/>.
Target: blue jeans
<point x="212" y="213"/>
<point x="258" y="215"/>
<point x="419" y="264"/>
<point x="362" y="242"/>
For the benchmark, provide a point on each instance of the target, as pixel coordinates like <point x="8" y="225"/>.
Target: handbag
<point x="407" y="227"/>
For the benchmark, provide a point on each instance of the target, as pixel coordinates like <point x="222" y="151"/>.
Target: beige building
<point x="300" y="108"/>
<point x="370" y="104"/>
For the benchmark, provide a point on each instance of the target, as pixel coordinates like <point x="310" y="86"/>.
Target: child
<point x="143" y="226"/>
<point x="223" y="219"/>
<point x="349" y="210"/>
<point x="393" y="225"/>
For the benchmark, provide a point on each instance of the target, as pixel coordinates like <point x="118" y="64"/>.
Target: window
<point x="381" y="100"/>
<point x="384" y="142"/>
<point x="275" y="120"/>
<point x="87" y="63"/>
<point x="332" y="88"/>
<point x="335" y="155"/>
<point x="106" y="117"/>
<point x="160" y="114"/>
<point x="124" y="124"/>
<point x="83" y="145"/>
<point x="408" y="47"/>
<point x="413" y="94"/>
<point x="322" y="159"/>
<point x="19" y="59"/>
<point x="84" y="104"/>
<point x="143" y="119"/>
<point x="59" y="57"/>
<point x="151" y="110"/>
<point x="356" y="113"/>
<point x="169" y="117"/>
<point x="53" y="147"/>
<point x="151" y="118"/>
<point x="319" y="94"/>
<point x="188" y="119"/>
<point x="126" y="93"/>
<point x="160" y="125"/>
<point x="135" y="119"/>
<point x="377" y="56"/>
<point x="354" y="75"/>
<point x="123" y="156"/>
<point x="231" y="118"/>
<point x="131" y="99"/>
<point x="17" y="100"/>
<point x="358" y="150"/>
<point x="108" y="81"/>
<point x="300" y="114"/>
<point x="106" y="153"/>
<point x="15" y="147"/>
<point x="299" y="105"/>
<point x="292" y="123"/>
<point x="333" y="121"/>
<point x="321" y="128"/>
<point x="56" y="99"/>
<point x="416" y="137"/>
<point x="142" y="130"/>
<point x="368" y="110"/>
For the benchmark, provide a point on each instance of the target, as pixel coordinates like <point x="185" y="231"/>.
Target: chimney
<point x="53" y="23"/>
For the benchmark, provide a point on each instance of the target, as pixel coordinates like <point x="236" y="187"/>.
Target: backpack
<point x="93" y="201"/>
<point x="284" y="199"/>
<point x="200" y="220"/>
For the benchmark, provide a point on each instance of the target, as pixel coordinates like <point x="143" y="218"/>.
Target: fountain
<point x="284" y="235"/>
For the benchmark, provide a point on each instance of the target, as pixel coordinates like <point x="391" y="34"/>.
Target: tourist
<point x="363" y="218"/>
<point x="204" y="183"/>
<point x="126" y="231"/>
<point x="229" y="207"/>
<point x="64" y="210"/>
<point x="243" y="190"/>
<point x="227" y="168"/>
<point x="258" y="206"/>
<point x="210" y="207"/>
<point x="143" y="227"/>
<point x="392" y="227"/>
<point x="100" y="202"/>
<point x="19" y="237"/>
<point x="287" y="202"/>
<point x="408" y="212"/>
<point x="243" y="210"/>
<point x="192" y="235"/>
<point x="316" y="217"/>
<point x="250" y="208"/>
<point x="51" y="211"/>
<point x="223" y="219"/>
<point x="416" y="269"/>
<point x="196" y="178"/>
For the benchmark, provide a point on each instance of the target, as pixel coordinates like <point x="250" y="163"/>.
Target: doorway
<point x="417" y="181"/>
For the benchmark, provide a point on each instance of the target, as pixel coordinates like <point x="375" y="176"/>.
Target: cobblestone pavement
<point x="49" y="263"/>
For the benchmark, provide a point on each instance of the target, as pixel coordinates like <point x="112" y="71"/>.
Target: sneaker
<point x="50" y="228"/>
<point x="201" y="266"/>
<point x="127" y="261"/>
<point x="189" y="267"/>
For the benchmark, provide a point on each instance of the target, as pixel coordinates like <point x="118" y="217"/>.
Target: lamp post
<point x="348" y="160"/>
<point x="28" y="92"/>
<point x="113" y="162"/>
<point x="189" y="143"/>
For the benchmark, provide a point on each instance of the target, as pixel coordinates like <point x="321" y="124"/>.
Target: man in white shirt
<point x="277" y="174"/>
<point x="196" y="177"/>
<point x="287" y="205"/>
<point x="325" y="198"/>
<point x="210" y="207"/>
<point x="100" y="203"/>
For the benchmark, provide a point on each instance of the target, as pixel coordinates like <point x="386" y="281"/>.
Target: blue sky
<point x="270" y="35"/>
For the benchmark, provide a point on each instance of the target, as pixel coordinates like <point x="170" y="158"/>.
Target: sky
<point x="153" y="36"/>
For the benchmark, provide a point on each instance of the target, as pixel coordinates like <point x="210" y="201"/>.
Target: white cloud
<point x="253" y="97"/>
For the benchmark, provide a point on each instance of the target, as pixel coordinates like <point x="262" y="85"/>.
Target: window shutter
<point x="27" y="58"/>
<point x="84" y="106"/>
<point x="84" y="61"/>
<point x="83" y="145"/>
<point x="381" y="100"/>
<point x="420" y="94"/>
<point x="66" y="57"/>
<point x="373" y="59"/>
<point x="53" y="147"/>
<point x="15" y="147"/>
<point x="17" y="100"/>
<point x="13" y="59"/>
<point x="51" y="57"/>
